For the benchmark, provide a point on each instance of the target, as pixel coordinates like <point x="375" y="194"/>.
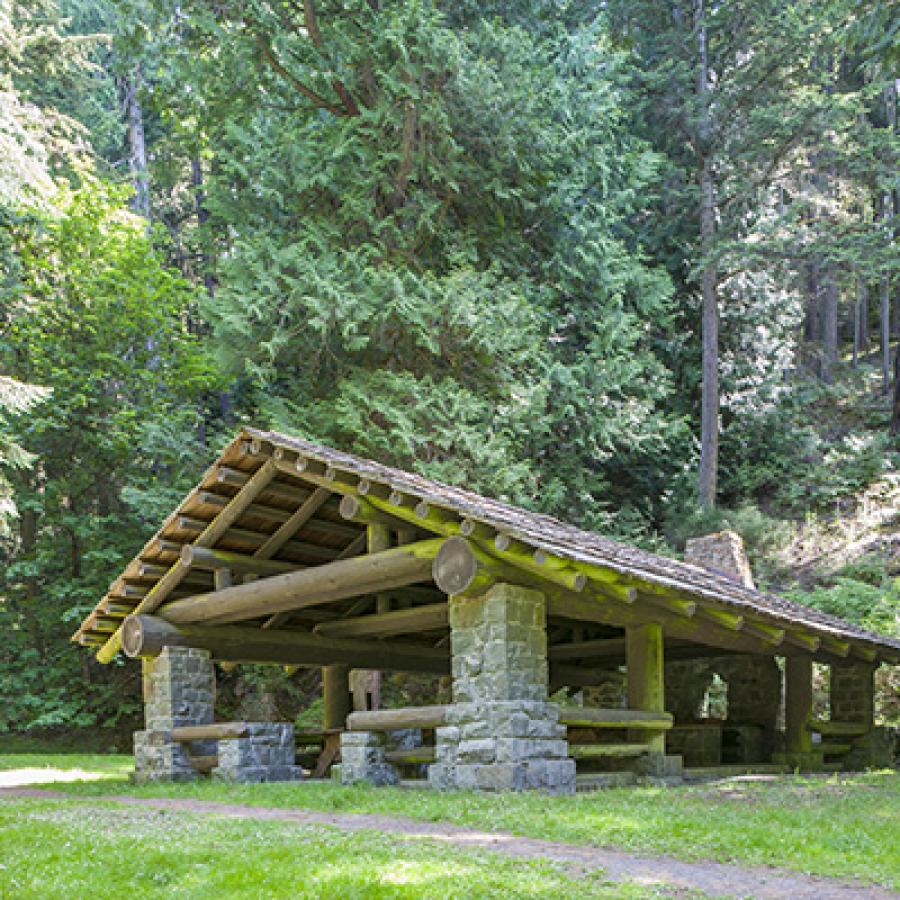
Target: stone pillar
<point x="502" y="733"/>
<point x="179" y="689"/>
<point x="852" y="693"/>
<point x="853" y="700"/>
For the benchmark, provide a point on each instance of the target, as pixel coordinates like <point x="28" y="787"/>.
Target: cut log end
<point x="455" y="567"/>
<point x="349" y="507"/>
<point x="132" y="636"/>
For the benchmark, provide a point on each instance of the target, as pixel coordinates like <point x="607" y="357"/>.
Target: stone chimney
<point x="722" y="553"/>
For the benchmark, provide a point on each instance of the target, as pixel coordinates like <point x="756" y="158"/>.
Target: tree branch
<point x="276" y="66"/>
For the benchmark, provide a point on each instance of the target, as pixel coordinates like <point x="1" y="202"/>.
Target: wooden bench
<point x="583" y="722"/>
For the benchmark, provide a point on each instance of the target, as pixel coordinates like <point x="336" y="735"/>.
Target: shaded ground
<point x="713" y="879"/>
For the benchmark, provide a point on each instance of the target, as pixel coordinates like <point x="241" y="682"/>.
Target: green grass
<point x="845" y="826"/>
<point x="63" y="849"/>
<point x="93" y="765"/>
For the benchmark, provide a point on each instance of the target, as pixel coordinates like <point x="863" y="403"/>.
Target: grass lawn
<point x="846" y="826"/>
<point x="62" y="849"/>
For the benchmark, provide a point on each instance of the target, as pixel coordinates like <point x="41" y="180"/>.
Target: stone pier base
<point x="265" y="754"/>
<point x="502" y="733"/>
<point x="180" y="689"/>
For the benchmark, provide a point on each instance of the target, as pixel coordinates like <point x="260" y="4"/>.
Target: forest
<point x="631" y="263"/>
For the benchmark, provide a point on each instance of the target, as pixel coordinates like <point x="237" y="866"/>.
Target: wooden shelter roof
<point x="276" y="497"/>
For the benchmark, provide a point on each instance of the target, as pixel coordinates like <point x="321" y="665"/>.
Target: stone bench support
<point x="179" y="687"/>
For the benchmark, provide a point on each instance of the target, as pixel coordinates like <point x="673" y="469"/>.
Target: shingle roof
<point x="537" y="531"/>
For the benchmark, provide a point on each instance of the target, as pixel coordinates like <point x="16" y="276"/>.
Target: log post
<point x="336" y="695"/>
<point x="365" y="684"/>
<point x="798" y="704"/>
<point x="646" y="689"/>
<point x="800" y="752"/>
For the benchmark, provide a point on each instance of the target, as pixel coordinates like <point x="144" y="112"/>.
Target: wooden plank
<point x="412" y="756"/>
<point x="831" y="748"/>
<point x="837" y="729"/>
<point x="594" y="717"/>
<point x="400" y="621"/>
<point x="391" y="719"/>
<point x="204" y="764"/>
<point x="218" y="731"/>
<point x="331" y="752"/>
<point x="356" y="509"/>
<point x="327" y="583"/>
<point x="605" y="751"/>
<point x="257" y="540"/>
<point x="212" y="559"/>
<point x="336" y="696"/>
<point x="594" y="649"/>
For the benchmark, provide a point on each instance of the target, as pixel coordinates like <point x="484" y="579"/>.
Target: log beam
<point x="211" y="560"/>
<point x="309" y="587"/>
<point x="145" y="636"/>
<point x="399" y="621"/>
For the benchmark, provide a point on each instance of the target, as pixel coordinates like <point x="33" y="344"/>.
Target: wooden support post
<point x="336" y="696"/>
<point x="798" y="704"/>
<point x="646" y="690"/>
<point x="365" y="684"/>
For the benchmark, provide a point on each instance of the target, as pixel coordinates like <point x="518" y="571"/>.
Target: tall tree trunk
<point x="863" y="309"/>
<point x="895" y="415"/>
<point x="709" y="401"/>
<point x="887" y="210"/>
<point x="857" y="321"/>
<point x="28" y="526"/>
<point x="137" y="149"/>
<point x="209" y="280"/>
<point x="829" y="325"/>
<point x="885" y="295"/>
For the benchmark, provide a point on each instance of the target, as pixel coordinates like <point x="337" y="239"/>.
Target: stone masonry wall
<point x="852" y="696"/>
<point x="180" y="688"/>
<point x="265" y="754"/>
<point x="502" y="734"/>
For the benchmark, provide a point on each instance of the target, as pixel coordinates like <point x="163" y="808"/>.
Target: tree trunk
<point x="895" y="415"/>
<point x="887" y="210"/>
<point x="863" y="314"/>
<point x="709" y="401"/>
<point x="885" y="294"/>
<point x="209" y="281"/>
<point x="829" y="326"/>
<point x="137" y="156"/>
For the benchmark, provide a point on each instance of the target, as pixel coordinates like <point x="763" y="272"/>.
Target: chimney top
<point x="722" y="553"/>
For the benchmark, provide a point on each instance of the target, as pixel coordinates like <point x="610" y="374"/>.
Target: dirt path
<point x="713" y="879"/>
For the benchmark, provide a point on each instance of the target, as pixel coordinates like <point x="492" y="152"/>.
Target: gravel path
<point x="711" y="878"/>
